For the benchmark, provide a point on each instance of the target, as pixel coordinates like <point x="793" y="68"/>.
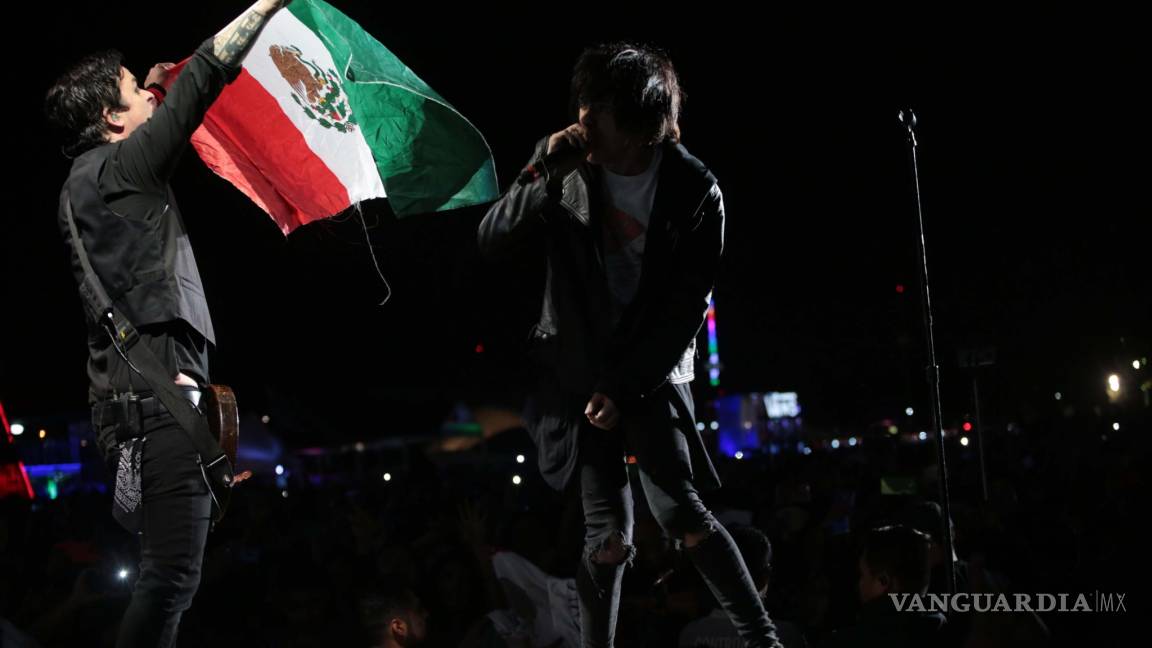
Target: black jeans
<point x="655" y="434"/>
<point x="176" y="515"/>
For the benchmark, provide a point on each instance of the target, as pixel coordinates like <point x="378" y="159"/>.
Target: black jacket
<point x="135" y="238"/>
<point x="575" y="347"/>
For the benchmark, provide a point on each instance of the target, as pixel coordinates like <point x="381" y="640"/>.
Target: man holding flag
<point x="125" y="146"/>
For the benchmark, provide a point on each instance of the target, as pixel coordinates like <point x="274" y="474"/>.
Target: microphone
<point x="908" y="118"/>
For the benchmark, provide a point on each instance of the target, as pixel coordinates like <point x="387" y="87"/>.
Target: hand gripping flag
<point x="324" y="116"/>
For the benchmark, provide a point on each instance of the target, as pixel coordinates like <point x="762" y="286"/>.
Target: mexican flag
<point x="324" y="116"/>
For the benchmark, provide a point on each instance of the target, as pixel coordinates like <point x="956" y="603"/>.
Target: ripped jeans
<point x="665" y="472"/>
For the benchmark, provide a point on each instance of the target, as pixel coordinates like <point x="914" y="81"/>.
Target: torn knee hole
<point x="612" y="551"/>
<point x="610" y="556"/>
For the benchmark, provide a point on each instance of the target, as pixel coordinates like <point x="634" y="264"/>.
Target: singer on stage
<point x="632" y="227"/>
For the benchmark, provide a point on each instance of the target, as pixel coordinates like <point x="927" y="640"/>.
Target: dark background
<point x="1033" y="173"/>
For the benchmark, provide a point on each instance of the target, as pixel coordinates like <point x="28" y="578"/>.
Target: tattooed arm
<point x="149" y="156"/>
<point x="234" y="41"/>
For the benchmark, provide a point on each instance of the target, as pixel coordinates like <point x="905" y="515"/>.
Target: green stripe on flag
<point x="430" y="157"/>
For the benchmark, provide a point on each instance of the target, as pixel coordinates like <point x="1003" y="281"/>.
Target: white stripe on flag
<point x="346" y="154"/>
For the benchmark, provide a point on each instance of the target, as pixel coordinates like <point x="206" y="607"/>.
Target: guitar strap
<point x="218" y="472"/>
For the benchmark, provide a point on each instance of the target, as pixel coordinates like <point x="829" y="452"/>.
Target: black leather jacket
<point x="576" y="349"/>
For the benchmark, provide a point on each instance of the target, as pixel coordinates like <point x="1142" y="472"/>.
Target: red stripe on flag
<point x="248" y="140"/>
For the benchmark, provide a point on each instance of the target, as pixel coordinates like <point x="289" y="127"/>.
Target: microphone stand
<point x="908" y="118"/>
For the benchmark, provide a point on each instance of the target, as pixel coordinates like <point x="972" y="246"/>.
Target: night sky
<point x="1034" y="172"/>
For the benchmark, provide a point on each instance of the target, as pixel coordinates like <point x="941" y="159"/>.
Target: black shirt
<point x="133" y="183"/>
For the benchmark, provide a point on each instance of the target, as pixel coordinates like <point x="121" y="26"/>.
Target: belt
<point x="149" y="404"/>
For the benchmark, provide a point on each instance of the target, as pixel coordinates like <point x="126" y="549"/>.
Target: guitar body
<point x="219" y="405"/>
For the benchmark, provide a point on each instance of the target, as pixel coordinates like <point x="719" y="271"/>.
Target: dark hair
<point x="756" y="550"/>
<point x="900" y="552"/>
<point x="379" y="608"/>
<point x="928" y="518"/>
<point x="76" y="101"/>
<point x="637" y="82"/>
